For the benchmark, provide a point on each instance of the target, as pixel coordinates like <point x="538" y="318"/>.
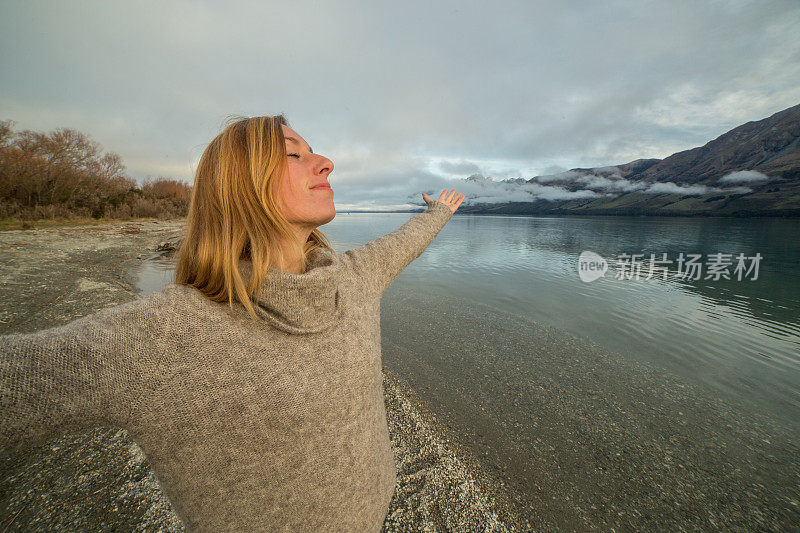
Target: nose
<point x="325" y="166"/>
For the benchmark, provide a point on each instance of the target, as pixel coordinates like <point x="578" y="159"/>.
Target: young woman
<point x="253" y="383"/>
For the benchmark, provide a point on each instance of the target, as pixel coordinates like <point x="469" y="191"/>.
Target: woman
<point x="252" y="383"/>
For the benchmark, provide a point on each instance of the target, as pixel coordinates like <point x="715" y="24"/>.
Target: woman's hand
<point x="453" y="200"/>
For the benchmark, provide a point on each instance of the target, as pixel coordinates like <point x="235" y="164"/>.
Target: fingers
<point x="450" y="198"/>
<point x="453" y="197"/>
<point x="447" y="198"/>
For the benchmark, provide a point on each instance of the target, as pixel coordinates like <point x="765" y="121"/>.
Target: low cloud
<point x="569" y="175"/>
<point x="692" y="190"/>
<point x="557" y="187"/>
<point x="545" y="192"/>
<point x="485" y="190"/>
<point x="619" y="184"/>
<point x="673" y="188"/>
<point x="609" y="179"/>
<point x="743" y="176"/>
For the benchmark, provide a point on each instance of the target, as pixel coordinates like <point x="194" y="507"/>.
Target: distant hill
<point x="752" y="170"/>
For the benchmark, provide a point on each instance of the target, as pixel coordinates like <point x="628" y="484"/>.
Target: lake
<point x="617" y="402"/>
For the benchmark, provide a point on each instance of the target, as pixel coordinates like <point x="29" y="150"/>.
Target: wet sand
<point x="101" y="480"/>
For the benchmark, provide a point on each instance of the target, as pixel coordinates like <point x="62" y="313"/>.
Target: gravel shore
<point x="101" y="481"/>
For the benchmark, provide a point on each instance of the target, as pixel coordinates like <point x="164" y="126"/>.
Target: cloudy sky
<point x="404" y="97"/>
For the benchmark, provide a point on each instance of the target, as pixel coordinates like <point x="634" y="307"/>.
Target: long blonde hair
<point x="233" y="214"/>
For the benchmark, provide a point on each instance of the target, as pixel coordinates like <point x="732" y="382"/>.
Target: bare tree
<point x="68" y="171"/>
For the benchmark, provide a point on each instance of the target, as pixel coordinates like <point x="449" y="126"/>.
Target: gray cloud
<point x="606" y="184"/>
<point x="459" y="167"/>
<point x="403" y="97"/>
<point x="489" y="191"/>
<point x="690" y="190"/>
<point x="743" y="176"/>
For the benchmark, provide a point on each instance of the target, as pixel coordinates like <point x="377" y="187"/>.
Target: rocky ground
<point x="101" y="481"/>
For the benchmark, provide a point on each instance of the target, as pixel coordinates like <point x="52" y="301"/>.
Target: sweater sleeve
<point x="381" y="260"/>
<point x="77" y="376"/>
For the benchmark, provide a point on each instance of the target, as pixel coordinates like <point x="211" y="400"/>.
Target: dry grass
<point x="16" y="224"/>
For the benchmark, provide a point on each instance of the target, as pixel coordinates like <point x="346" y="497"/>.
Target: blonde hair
<point x="233" y="214"/>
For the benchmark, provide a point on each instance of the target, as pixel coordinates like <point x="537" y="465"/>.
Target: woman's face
<point x="304" y="194"/>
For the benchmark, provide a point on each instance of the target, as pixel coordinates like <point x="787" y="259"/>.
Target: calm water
<point x="739" y="336"/>
<point x="742" y="337"/>
<point x="462" y="325"/>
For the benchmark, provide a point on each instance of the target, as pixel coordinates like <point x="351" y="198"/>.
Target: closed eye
<point x="295" y="155"/>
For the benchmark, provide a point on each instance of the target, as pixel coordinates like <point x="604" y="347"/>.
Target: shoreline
<point x="101" y="479"/>
<point x="441" y="486"/>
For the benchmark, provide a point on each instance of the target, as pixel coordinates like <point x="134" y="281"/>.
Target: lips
<point x="322" y="186"/>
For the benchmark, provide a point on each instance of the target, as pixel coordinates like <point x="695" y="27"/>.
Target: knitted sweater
<point x="279" y="425"/>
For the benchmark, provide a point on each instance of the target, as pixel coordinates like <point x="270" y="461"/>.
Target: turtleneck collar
<point x="300" y="303"/>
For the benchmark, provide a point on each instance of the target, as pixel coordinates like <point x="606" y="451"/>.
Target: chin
<point x="330" y="215"/>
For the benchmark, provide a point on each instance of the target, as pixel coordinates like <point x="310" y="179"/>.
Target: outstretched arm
<point x="381" y="260"/>
<point x="78" y="376"/>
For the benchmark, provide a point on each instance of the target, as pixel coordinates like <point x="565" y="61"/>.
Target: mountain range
<point x="752" y="170"/>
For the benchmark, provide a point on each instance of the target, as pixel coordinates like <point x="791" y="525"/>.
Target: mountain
<point x="770" y="146"/>
<point x="752" y="170"/>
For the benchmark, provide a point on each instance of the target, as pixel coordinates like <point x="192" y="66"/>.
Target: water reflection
<point x="153" y="273"/>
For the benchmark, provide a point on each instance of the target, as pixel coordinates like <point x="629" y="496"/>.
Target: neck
<point x="293" y="262"/>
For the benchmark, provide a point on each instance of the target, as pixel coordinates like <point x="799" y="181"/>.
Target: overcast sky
<point x="404" y="97"/>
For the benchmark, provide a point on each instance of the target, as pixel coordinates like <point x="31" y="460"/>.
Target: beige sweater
<point x="249" y="427"/>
